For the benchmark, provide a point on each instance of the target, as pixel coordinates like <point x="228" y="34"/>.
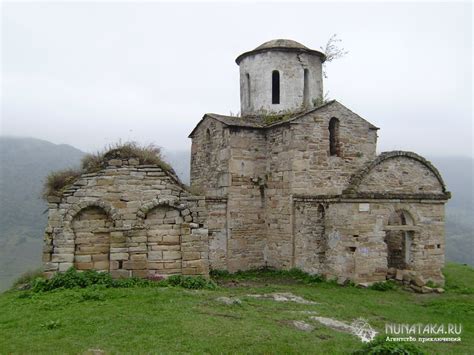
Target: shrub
<point x="191" y="282"/>
<point x="381" y="347"/>
<point x="74" y="279"/>
<point x="25" y="280"/>
<point x="56" y="182"/>
<point x="92" y="295"/>
<point x="219" y="273"/>
<point x="383" y="286"/>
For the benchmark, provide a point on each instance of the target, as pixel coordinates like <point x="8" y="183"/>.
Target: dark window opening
<point x="249" y="102"/>
<point x="334" y="147"/>
<point x="275" y="87"/>
<point x="207" y="146"/>
<point x="120" y="264"/>
<point x="306" y="88"/>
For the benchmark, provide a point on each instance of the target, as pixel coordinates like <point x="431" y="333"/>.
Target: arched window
<point x="249" y="102"/>
<point x="275" y="87"/>
<point x="306" y="88"/>
<point x="334" y="148"/>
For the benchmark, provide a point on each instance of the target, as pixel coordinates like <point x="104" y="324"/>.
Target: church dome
<point x="281" y="43"/>
<point x="285" y="45"/>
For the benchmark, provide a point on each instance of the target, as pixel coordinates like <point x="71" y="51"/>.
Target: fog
<point x="90" y="74"/>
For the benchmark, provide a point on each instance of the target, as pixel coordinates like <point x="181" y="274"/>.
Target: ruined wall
<point x="129" y="219"/>
<point x="356" y="233"/>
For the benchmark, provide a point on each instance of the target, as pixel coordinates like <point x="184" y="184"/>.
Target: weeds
<point x="25" y="280"/>
<point x="56" y="182"/>
<point x="383" y="286"/>
<point x="294" y="273"/>
<point x="74" y="279"/>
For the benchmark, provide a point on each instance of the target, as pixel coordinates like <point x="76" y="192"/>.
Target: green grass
<point x="174" y="319"/>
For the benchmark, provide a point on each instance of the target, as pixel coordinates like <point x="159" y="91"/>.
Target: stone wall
<point x="291" y="66"/>
<point x="315" y="171"/>
<point x="210" y="154"/>
<point x="357" y="234"/>
<point x="129" y="219"/>
<point x="287" y="202"/>
<point x="246" y="200"/>
<point x="299" y="163"/>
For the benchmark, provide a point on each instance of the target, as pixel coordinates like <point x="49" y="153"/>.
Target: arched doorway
<point x="92" y="228"/>
<point x="399" y="240"/>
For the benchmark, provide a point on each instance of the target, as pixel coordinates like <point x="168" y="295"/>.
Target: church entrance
<point x="399" y="240"/>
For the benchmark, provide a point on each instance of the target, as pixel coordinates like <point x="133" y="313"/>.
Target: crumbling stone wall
<point x="357" y="239"/>
<point x="129" y="219"/>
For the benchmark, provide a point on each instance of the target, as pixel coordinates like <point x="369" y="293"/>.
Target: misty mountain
<point x="25" y="162"/>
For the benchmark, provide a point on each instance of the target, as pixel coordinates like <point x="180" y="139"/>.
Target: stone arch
<point x="76" y="208"/>
<point x="173" y="202"/>
<point x="399" y="238"/>
<point x="162" y="227"/>
<point x="91" y="227"/>
<point x="357" y="178"/>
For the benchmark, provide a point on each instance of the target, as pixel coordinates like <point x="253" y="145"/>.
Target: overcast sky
<point x="89" y="74"/>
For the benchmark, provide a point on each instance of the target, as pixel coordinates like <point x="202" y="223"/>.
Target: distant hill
<point x="458" y="175"/>
<point x="25" y="162"/>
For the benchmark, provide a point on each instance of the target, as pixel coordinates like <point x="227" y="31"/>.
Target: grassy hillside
<point x="171" y="319"/>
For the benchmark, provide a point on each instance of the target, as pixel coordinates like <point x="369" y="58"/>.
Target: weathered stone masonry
<point x="299" y="184"/>
<point x="294" y="182"/>
<point x="129" y="219"/>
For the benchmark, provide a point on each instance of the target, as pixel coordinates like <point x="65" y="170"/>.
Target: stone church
<point x="292" y="182"/>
